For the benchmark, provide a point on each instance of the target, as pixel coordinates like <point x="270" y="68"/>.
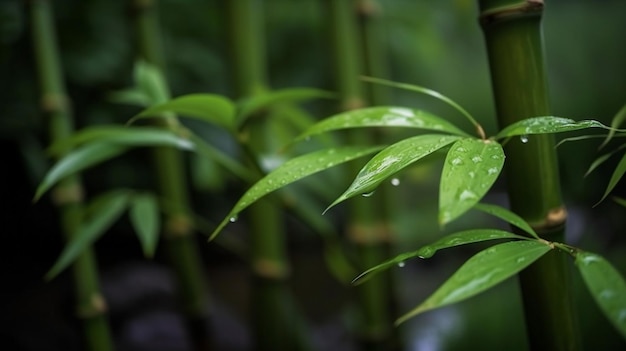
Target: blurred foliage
<point x="436" y="44"/>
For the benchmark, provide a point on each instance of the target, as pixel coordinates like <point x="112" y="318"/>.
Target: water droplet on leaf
<point x="524" y="139"/>
<point x="233" y="219"/>
<point x="401" y="264"/>
<point x="368" y="194"/>
<point x="395" y="181"/>
<point x="456" y="161"/>
<point x="477" y="159"/>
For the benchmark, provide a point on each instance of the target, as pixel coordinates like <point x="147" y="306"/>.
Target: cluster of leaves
<point x="96" y="144"/>
<point x="471" y="167"/>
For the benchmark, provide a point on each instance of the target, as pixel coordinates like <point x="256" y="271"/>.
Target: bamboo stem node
<point x="95" y="306"/>
<point x="369" y="234"/>
<point x="353" y="103"/>
<point x="69" y="193"/>
<point x="511" y="11"/>
<point x="54" y="102"/>
<point x="270" y="269"/>
<point x="555" y="219"/>
<point x="178" y="226"/>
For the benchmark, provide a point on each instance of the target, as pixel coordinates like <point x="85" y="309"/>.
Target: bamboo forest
<point x="313" y="175"/>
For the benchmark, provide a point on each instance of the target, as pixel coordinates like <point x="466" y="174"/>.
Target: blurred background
<point x="436" y="44"/>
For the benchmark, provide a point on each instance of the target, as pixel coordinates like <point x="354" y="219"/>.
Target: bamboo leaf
<point x="258" y="102"/>
<point x="132" y="96"/>
<point x="546" y="125"/>
<point x="293" y="170"/>
<point x="481" y="272"/>
<point x="210" y="108"/>
<point x="470" y="169"/>
<point x="618" y="119"/>
<point x="77" y="160"/>
<point x="452" y="240"/>
<point x="507" y="216"/>
<point x="383" y="117"/>
<point x="391" y="160"/>
<point x="607" y="287"/>
<point x="620" y="201"/>
<point x="144" y="216"/>
<point x="231" y="164"/>
<point x="150" y="81"/>
<point x="105" y="210"/>
<point x="617" y="175"/>
<point x="430" y="92"/>
<point x="122" y="135"/>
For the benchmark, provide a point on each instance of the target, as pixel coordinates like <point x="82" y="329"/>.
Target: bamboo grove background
<point x="240" y="48"/>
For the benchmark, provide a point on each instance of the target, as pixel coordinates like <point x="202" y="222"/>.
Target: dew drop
<point x="492" y="170"/>
<point x="461" y="149"/>
<point x="233" y="219"/>
<point x="472" y="174"/>
<point x="523" y="139"/>
<point x="426" y="252"/>
<point x="395" y="181"/>
<point x="456" y="161"/>
<point x="467" y="195"/>
<point x="368" y="194"/>
<point x="401" y="264"/>
<point x="477" y="159"/>
<point x="520" y="259"/>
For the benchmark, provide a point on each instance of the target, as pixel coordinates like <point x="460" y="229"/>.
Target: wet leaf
<point x="607" y="287"/>
<point x="252" y="105"/>
<point x="293" y="170"/>
<point x="121" y="135"/>
<point x="481" y="272"/>
<point x="507" y="216"/>
<point x="546" y="125"/>
<point x="105" y="210"/>
<point x="210" y="108"/>
<point x="470" y="169"/>
<point x="77" y="160"/>
<point x="144" y="216"/>
<point x="452" y="240"/>
<point x="391" y="160"/>
<point x="383" y="117"/>
<point x="617" y="175"/>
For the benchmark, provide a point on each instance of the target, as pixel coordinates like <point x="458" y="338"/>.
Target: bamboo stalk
<point x="68" y="194"/>
<point x="367" y="229"/>
<point x="274" y="320"/>
<point x="513" y="35"/>
<point x="179" y="243"/>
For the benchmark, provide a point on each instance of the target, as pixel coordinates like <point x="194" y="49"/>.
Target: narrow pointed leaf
<point x="105" y="210"/>
<point x="210" y="108"/>
<point x="507" y="216"/>
<point x="452" y="240"/>
<point x="481" y="272"/>
<point x="383" y="117"/>
<point x="598" y="162"/>
<point x="607" y="287"/>
<point x="76" y="161"/>
<point x="546" y="125"/>
<point x="293" y="170"/>
<point x="470" y="169"/>
<point x="617" y="175"/>
<point x="391" y="160"/>
<point x="122" y="135"/>
<point x="616" y="122"/>
<point x="131" y="96"/>
<point x="252" y="105"/>
<point x="144" y="216"/>
<point x="231" y="164"/>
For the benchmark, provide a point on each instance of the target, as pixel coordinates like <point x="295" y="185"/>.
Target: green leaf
<point x="105" y="210"/>
<point x="231" y="164"/>
<point x="77" y="160"/>
<point x="258" y="102"/>
<point x="481" y="272"/>
<point x="150" y="81"/>
<point x="293" y="170"/>
<point x="619" y="171"/>
<point x="144" y="216"/>
<point x="470" y="169"/>
<point x="507" y="216"/>
<point x="122" y="135"/>
<point x="391" y="160"/>
<point x="607" y="287"/>
<point x="618" y="119"/>
<point x="452" y="240"/>
<point x="430" y="92"/>
<point x="620" y="201"/>
<point x="205" y="107"/>
<point x="383" y="117"/>
<point x="546" y="125"/>
<point x="131" y="96"/>
<point x="599" y="161"/>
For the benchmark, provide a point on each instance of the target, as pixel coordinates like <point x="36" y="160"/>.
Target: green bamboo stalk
<point x="68" y="195"/>
<point x="367" y="229"/>
<point x="274" y="320"/>
<point x="184" y="257"/>
<point x="513" y="35"/>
